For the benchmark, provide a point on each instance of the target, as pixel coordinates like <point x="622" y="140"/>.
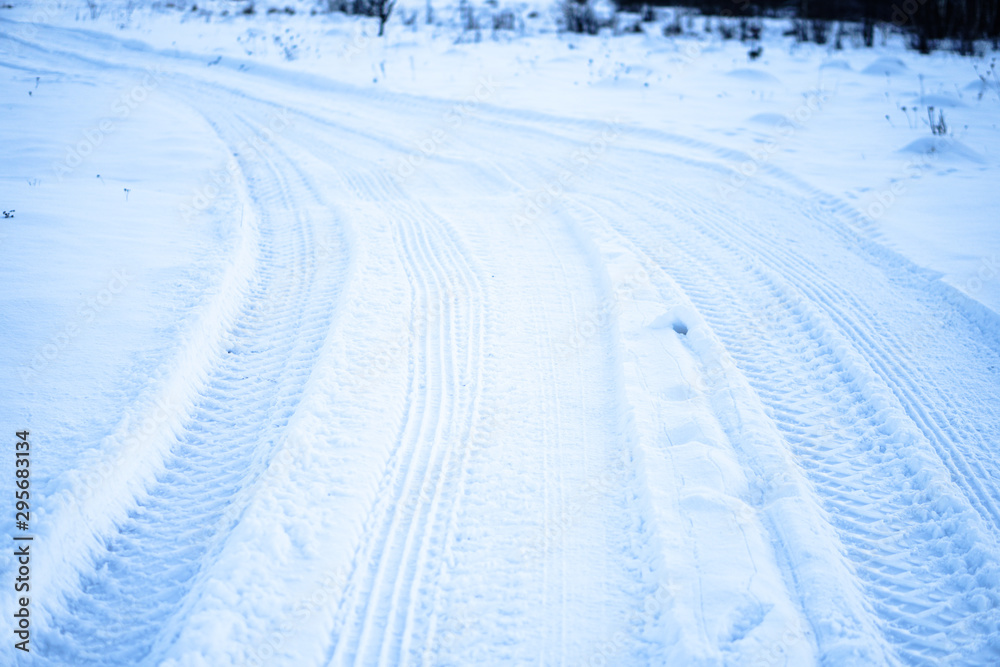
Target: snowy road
<point x="545" y="393"/>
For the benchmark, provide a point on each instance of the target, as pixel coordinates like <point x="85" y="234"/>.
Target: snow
<point x="461" y="347"/>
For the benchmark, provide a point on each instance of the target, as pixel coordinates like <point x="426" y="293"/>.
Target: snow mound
<point x="944" y="147"/>
<point x="836" y="64"/>
<point x="756" y="75"/>
<point x="981" y="86"/>
<point x="886" y="65"/>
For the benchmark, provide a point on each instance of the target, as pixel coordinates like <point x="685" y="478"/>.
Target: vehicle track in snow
<point x="151" y="565"/>
<point x="384" y="611"/>
<point x="504" y="523"/>
<point x="409" y="522"/>
<point x="891" y="504"/>
<point x="854" y="459"/>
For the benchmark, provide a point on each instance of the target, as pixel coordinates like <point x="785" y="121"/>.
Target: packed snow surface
<point x="496" y="347"/>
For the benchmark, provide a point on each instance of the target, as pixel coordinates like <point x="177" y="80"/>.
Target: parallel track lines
<point x="382" y="627"/>
<point x="862" y="515"/>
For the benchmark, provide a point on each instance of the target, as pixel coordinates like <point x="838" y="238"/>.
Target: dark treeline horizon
<point x="927" y="20"/>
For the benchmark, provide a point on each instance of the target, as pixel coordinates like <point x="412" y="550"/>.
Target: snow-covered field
<point x="495" y="347"/>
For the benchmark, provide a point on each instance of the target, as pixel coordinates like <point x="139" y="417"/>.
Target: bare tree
<point x="382" y="9"/>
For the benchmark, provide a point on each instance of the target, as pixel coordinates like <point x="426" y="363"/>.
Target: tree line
<point x="928" y="21"/>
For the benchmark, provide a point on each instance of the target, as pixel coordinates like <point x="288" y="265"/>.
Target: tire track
<point x="421" y="481"/>
<point x="848" y="446"/>
<point x="431" y="551"/>
<point x="846" y="449"/>
<point x="149" y="570"/>
<point x="405" y="600"/>
<point x="890" y="361"/>
<point x="888" y="354"/>
<point x="823" y="363"/>
<point x="560" y="442"/>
